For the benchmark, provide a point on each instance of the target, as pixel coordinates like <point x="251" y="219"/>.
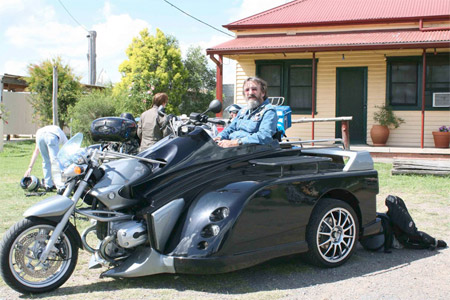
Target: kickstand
<point x="35" y="194"/>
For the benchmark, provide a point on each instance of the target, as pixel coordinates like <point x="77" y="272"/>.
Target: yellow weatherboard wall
<point x="408" y="134"/>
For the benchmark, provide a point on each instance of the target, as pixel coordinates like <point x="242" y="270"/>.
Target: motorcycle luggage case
<point x="114" y="129"/>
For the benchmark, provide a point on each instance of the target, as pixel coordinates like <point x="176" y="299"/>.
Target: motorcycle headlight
<point x="69" y="166"/>
<point x="74" y="170"/>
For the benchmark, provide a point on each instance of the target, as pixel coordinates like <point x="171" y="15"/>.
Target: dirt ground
<point x="402" y="274"/>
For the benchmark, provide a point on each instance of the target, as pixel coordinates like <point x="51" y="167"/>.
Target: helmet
<point x="30" y="183"/>
<point x="127" y="116"/>
<point x="374" y="242"/>
<point x="233" y="108"/>
<point x="384" y="238"/>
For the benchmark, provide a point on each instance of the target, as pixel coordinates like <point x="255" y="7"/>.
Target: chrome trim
<point x="144" y="261"/>
<point x="84" y="236"/>
<point x="287" y="141"/>
<point x="123" y="155"/>
<point x="91" y="214"/>
<point x="163" y="221"/>
<point x="358" y="160"/>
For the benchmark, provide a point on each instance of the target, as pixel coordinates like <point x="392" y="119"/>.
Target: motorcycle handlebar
<point x="216" y="121"/>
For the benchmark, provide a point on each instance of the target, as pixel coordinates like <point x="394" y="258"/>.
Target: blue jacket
<point x="253" y="126"/>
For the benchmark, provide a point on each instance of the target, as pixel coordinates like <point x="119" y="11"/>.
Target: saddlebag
<point x="114" y="129"/>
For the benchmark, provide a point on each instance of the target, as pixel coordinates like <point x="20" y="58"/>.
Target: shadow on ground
<point x="279" y="274"/>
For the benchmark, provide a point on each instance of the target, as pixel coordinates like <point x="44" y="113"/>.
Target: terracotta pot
<point x="379" y="135"/>
<point x="441" y="139"/>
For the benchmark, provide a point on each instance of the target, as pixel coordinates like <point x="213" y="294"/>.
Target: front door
<point x="351" y="100"/>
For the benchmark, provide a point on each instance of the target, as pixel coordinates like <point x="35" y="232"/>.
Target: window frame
<point x="285" y="79"/>
<point x="419" y="61"/>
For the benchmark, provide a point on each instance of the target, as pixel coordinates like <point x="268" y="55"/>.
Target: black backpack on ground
<point x="405" y="229"/>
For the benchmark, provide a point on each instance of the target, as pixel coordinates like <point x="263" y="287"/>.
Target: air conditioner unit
<point x="441" y="99"/>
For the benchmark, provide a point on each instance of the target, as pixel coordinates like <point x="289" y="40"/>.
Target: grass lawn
<point x="427" y="198"/>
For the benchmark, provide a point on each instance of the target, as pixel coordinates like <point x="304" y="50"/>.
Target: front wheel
<point x="20" y="249"/>
<point x="332" y="233"/>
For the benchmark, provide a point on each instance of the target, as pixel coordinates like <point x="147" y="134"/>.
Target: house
<point x="332" y="58"/>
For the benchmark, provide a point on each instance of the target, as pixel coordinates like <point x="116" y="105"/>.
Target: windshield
<point x="65" y="154"/>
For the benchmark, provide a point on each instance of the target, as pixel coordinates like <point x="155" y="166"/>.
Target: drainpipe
<point x="219" y="79"/>
<point x="424" y="71"/>
<point x="313" y="110"/>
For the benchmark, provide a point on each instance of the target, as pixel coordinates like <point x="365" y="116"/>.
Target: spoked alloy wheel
<point x="21" y="249"/>
<point x="332" y="233"/>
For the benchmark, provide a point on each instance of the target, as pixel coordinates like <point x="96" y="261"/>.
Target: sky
<point x="36" y="30"/>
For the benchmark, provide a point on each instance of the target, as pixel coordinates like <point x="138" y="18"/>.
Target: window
<point x="404" y="80"/>
<point x="272" y="75"/>
<point x="403" y="83"/>
<point x="291" y="79"/>
<point x="437" y="78"/>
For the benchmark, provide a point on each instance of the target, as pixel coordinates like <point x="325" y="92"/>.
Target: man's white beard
<point x="252" y="104"/>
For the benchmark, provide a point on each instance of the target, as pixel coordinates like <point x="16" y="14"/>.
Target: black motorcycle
<point x="186" y="205"/>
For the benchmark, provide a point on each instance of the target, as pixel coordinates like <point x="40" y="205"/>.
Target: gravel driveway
<point x="402" y="274"/>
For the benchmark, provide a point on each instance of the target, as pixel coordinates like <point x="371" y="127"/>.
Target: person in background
<point x="233" y="110"/>
<point x="48" y="139"/>
<point x="254" y="124"/>
<point x="151" y="126"/>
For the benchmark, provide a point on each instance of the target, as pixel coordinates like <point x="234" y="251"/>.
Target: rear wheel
<point x="21" y="248"/>
<point x="332" y="233"/>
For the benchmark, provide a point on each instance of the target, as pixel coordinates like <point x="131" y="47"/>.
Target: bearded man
<point x="254" y="124"/>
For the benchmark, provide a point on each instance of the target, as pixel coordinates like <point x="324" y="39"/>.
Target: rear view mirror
<point x="215" y="106"/>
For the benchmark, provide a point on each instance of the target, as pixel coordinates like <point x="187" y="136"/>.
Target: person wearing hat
<point x="233" y="110"/>
<point x="48" y="139"/>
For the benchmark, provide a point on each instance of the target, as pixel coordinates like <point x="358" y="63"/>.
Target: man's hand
<point x="217" y="139"/>
<point x="228" y="143"/>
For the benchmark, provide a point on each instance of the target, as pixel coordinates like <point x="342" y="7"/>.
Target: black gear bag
<point x="405" y="229"/>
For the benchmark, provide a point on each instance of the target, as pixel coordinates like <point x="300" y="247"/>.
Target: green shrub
<point x="91" y="106"/>
<point x="386" y="117"/>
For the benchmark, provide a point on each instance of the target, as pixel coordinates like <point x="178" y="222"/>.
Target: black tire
<point x="19" y="251"/>
<point x="332" y="233"/>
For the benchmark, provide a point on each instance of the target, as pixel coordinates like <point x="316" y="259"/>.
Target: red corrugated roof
<point x="308" y="12"/>
<point x="334" y="41"/>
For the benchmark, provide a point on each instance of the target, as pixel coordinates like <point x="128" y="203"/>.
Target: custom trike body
<point x="187" y="205"/>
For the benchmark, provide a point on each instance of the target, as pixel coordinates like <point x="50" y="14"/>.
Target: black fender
<point x="233" y="197"/>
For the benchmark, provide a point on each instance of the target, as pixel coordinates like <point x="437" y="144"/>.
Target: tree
<point x="91" y="106"/>
<point x="40" y="84"/>
<point x="201" y="82"/>
<point x="154" y="65"/>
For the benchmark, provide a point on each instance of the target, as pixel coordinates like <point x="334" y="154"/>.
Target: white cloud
<point x="15" y="67"/>
<point x="113" y="37"/>
<point x="40" y="31"/>
<point x="12" y="6"/>
<point x="116" y="34"/>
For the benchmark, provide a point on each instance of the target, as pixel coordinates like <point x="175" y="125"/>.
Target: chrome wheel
<point x="336" y="235"/>
<point x="20" y="254"/>
<point x="331" y="233"/>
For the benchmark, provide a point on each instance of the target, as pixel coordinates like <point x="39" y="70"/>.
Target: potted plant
<point x="384" y="118"/>
<point x="442" y="137"/>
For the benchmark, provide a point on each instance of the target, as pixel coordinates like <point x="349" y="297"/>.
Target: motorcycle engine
<point x="130" y="234"/>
